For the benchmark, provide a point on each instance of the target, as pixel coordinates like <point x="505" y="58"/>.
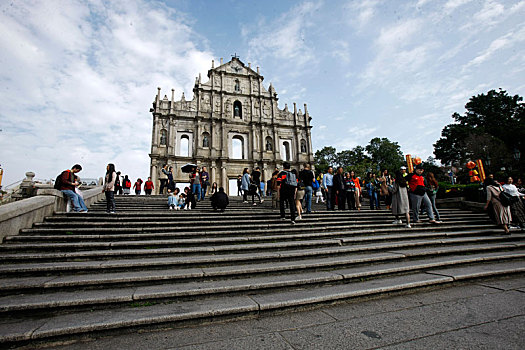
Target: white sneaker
<point x="170" y="208"/>
<point x="245" y="201"/>
<point x="395" y="222"/>
<point x="408" y="226"/>
<point x="254" y="203"/>
<point x="186" y="208"/>
<point x="262" y="200"/>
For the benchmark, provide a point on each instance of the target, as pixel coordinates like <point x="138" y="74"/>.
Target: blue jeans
<point x="203" y="192"/>
<point x="196" y="189"/>
<point x="374" y="199"/>
<point x="308" y="198"/>
<point x="78" y="202"/>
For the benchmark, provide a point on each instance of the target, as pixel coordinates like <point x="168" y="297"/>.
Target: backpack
<point x="290" y="179"/>
<point x="315" y="185"/>
<point x="58" y="181"/>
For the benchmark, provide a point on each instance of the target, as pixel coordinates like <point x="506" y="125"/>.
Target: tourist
<point x="288" y="188"/>
<point x="182" y="200"/>
<point x="418" y="195"/>
<point x="400" y="202"/>
<point x="275" y="190"/>
<point x="171" y="181"/>
<point x="67" y="183"/>
<point x="213" y="189"/>
<point x="196" y="183"/>
<point x="517" y="209"/>
<point x="173" y="202"/>
<point x="319" y="194"/>
<point x="338" y="191"/>
<point x="109" y="187"/>
<point x="386" y="181"/>
<point x="432" y="190"/>
<point x="254" y="191"/>
<point x="327" y="184"/>
<point x="126" y="185"/>
<point x="307" y="177"/>
<point x="163" y="178"/>
<point x="190" y="199"/>
<point x="502" y="214"/>
<point x="148" y="187"/>
<point x="118" y="184"/>
<point x="256" y="178"/>
<point x="205" y="180"/>
<point x="357" y="192"/>
<point x="349" y="191"/>
<point x="372" y="187"/>
<point x="219" y="200"/>
<point x="137" y="186"/>
<point x="239" y="186"/>
<point x="245" y="184"/>
<point x="299" y="195"/>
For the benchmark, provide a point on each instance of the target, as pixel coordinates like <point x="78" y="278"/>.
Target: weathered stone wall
<point x="24" y="213"/>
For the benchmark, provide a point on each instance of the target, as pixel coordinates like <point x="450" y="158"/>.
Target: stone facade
<point x="231" y="123"/>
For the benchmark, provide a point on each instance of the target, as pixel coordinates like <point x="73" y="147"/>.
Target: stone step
<point x="213" y="229"/>
<point x="82" y="322"/>
<point x="129" y="241"/>
<point x="369" y="265"/>
<point x="293" y="248"/>
<point x="188" y="239"/>
<point x="193" y="289"/>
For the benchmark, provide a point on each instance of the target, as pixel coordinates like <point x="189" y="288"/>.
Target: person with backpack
<point x="126" y="185"/>
<point x="501" y="208"/>
<point x="418" y="195"/>
<point x="274" y="185"/>
<point x="67" y="182"/>
<point x="109" y="187"/>
<point x="288" y="183"/>
<point x="307" y="177"/>
<point x="163" y="178"/>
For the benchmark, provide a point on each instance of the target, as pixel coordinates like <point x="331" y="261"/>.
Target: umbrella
<point x="188" y="168"/>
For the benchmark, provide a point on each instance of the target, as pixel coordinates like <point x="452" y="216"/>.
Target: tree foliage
<point x="378" y="154"/>
<point x="492" y="128"/>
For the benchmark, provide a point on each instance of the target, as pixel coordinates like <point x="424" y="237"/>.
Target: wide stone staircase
<point x="75" y="274"/>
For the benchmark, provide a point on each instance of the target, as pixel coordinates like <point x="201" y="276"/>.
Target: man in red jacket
<point x="418" y="194"/>
<point x="68" y="184"/>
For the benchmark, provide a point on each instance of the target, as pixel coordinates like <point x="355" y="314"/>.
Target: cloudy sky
<point x="77" y="78"/>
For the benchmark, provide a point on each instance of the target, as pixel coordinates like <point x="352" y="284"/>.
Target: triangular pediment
<point x="237" y="67"/>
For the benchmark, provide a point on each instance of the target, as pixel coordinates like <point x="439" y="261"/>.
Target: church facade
<point x="233" y="122"/>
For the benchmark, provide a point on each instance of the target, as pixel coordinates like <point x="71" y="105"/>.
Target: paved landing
<point x="485" y="314"/>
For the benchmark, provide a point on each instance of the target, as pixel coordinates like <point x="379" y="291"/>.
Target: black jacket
<point x="339" y="182"/>
<point x="220" y="200"/>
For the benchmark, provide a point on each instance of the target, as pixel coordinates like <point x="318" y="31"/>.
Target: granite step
<point x="23" y="330"/>
<point x="369" y="265"/>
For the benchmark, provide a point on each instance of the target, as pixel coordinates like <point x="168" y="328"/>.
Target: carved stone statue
<point x="205" y="141"/>
<point x="269" y="146"/>
<point x="236" y="111"/>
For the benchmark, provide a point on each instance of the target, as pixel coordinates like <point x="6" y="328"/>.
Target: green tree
<point x="385" y="153"/>
<point x="492" y="128"/>
<point x="324" y="158"/>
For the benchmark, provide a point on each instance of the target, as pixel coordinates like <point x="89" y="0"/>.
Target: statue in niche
<point x="269" y="146"/>
<point x="303" y="147"/>
<point x="205" y="141"/>
<point x="236" y="111"/>
<point x="266" y="109"/>
<point x="217" y="106"/>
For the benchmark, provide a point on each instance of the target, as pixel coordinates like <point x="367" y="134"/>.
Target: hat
<point x="419" y="166"/>
<point x="403" y="168"/>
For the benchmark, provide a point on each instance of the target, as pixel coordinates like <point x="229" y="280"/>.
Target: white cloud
<point x="284" y="38"/>
<point x="78" y="79"/>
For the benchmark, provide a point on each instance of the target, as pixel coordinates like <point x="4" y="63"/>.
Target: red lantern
<point x="471" y="173"/>
<point x="471" y="165"/>
<point x="417" y="161"/>
<point x="475" y="179"/>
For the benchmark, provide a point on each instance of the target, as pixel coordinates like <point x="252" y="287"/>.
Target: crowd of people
<point x="407" y="195"/>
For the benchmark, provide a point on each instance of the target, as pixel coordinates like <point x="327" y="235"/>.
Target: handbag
<point x="506" y="199"/>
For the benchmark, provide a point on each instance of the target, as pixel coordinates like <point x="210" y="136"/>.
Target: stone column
<point x="224" y="177"/>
